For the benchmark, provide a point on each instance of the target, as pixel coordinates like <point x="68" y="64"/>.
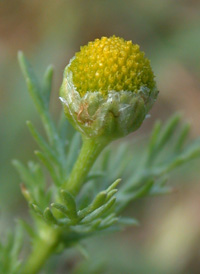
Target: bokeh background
<point x="50" y="32"/>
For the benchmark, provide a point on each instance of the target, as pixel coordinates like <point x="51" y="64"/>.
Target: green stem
<point x="47" y="241"/>
<point x="43" y="247"/>
<point x="90" y="150"/>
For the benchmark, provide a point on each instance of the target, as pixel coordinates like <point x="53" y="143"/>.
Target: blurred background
<point x="50" y="32"/>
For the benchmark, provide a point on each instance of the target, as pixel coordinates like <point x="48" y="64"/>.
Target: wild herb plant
<point x="69" y="198"/>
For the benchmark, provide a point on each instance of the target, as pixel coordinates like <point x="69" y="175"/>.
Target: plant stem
<point x="43" y="247"/>
<point x="90" y="150"/>
<point x="47" y="241"/>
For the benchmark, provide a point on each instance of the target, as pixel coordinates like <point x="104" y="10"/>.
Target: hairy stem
<point x="90" y="150"/>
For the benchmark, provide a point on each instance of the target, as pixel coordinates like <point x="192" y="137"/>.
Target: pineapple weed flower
<point x="108" y="88"/>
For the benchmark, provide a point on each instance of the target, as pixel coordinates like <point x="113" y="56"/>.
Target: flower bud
<point x="108" y="88"/>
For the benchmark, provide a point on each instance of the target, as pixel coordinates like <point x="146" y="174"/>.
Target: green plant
<point x="82" y="200"/>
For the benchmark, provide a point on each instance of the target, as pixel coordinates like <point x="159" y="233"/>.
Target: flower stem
<point x="90" y="150"/>
<point x="44" y="246"/>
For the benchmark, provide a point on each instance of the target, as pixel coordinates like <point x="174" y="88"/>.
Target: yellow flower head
<point x="108" y="64"/>
<point x="108" y="88"/>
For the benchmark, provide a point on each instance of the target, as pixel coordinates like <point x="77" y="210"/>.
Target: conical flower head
<point x="108" y="88"/>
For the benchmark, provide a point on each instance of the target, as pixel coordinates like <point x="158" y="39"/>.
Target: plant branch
<point x="43" y="247"/>
<point x="90" y="150"/>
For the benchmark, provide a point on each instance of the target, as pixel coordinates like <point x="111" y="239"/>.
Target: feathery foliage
<point x="98" y="206"/>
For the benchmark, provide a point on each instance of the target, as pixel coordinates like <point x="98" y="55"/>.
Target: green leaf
<point x="106" y="160"/>
<point x="49" y="217"/>
<point x="153" y="140"/>
<point x="113" y="185"/>
<point x="110" y="194"/>
<point x="10" y="251"/>
<point x="17" y="244"/>
<point x="82" y="250"/>
<point x="128" y="221"/>
<point x="143" y="190"/>
<point x="73" y="152"/>
<point x="63" y="209"/>
<point x="99" y="211"/>
<point x="95" y="175"/>
<point x="47" y="83"/>
<point x="109" y="221"/>
<point x="26" y="194"/>
<point x="128" y="195"/>
<point x="120" y="159"/>
<point x="36" y="210"/>
<point x="168" y="131"/>
<point x="182" y="137"/>
<point x="38" y="95"/>
<point x="69" y="201"/>
<point x="37" y="174"/>
<point x="32" y="83"/>
<point x="99" y="200"/>
<point x="50" y="153"/>
<point x="24" y="173"/>
<point x="27" y="228"/>
<point x="161" y="190"/>
<point x="44" y="159"/>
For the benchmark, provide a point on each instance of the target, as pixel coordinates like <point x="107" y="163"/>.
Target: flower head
<point x="108" y="88"/>
<point x="111" y="64"/>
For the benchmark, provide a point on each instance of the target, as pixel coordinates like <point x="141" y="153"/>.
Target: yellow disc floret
<point x="109" y="64"/>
